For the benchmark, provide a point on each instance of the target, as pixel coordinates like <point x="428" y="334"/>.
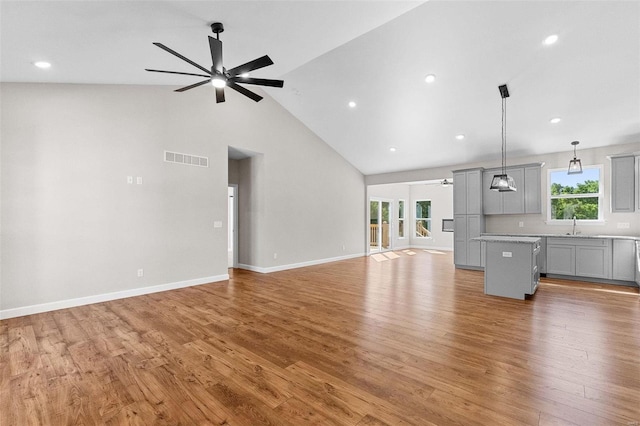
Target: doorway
<point x="379" y="225"/>
<point x="232" y="243"/>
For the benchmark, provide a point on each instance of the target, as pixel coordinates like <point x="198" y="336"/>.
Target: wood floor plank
<point x="410" y="341"/>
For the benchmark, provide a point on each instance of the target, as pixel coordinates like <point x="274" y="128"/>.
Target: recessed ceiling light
<point x="42" y="64"/>
<point x="550" y="40"/>
<point x="430" y="78"/>
<point x="352" y="104"/>
<point x="392" y="149"/>
<point x="460" y="137"/>
<point x="555" y="120"/>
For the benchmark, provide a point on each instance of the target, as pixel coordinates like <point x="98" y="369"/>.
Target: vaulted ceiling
<point x="376" y="54"/>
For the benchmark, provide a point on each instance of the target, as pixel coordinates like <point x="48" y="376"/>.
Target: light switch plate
<point x="507" y="254"/>
<point x="217" y="224"/>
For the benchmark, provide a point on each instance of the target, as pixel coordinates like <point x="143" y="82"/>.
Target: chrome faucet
<point x="574" y="226"/>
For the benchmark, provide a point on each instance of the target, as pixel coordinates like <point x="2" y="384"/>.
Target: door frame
<point x="380" y="200"/>
<point x="233" y="226"/>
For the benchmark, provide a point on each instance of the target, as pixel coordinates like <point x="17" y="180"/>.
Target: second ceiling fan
<point x="219" y="76"/>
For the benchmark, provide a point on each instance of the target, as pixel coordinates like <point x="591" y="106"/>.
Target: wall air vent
<point x="188" y="159"/>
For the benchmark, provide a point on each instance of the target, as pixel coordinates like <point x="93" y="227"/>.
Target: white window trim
<point x="600" y="195"/>
<point x="416" y="218"/>
<point x="403" y="219"/>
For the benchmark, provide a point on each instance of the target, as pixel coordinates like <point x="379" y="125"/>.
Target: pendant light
<point x="575" y="165"/>
<point x="503" y="182"/>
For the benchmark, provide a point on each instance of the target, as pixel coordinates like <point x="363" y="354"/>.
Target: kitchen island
<point x="511" y="265"/>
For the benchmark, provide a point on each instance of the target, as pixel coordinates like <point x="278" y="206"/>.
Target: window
<point x="423" y="218"/>
<point x="400" y="218"/>
<point x="578" y="196"/>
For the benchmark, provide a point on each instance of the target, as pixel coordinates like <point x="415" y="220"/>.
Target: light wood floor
<point x="357" y="342"/>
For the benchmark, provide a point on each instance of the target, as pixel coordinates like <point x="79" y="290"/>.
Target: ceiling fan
<point x="219" y="76"/>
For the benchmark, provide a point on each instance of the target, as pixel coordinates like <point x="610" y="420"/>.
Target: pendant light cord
<point x="504" y="136"/>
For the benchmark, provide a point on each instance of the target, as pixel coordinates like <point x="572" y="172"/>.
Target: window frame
<point x="599" y="195"/>
<point x="416" y="218"/>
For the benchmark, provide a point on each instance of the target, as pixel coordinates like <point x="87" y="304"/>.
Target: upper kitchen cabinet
<point x="527" y="199"/>
<point x="467" y="191"/>
<point x="623" y="183"/>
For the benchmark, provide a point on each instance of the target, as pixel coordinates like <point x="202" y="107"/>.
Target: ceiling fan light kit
<point x="218" y="75"/>
<point x="502" y="182"/>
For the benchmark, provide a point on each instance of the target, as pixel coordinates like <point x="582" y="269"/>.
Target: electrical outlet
<point x="520" y="224"/>
<point x="623" y="225"/>
<point x="344" y="247"/>
<point x="275" y="255"/>
<point x="139" y="180"/>
<point x="140" y="272"/>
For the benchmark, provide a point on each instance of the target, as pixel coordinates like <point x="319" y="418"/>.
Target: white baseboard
<point x="296" y="265"/>
<point x="80" y="301"/>
<point x="431" y="248"/>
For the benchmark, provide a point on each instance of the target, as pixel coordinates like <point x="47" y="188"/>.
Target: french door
<point x="380" y="225"/>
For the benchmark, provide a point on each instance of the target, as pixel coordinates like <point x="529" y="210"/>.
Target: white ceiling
<point x="376" y="53"/>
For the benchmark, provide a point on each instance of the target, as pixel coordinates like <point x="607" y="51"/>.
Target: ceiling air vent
<point x="188" y="159"/>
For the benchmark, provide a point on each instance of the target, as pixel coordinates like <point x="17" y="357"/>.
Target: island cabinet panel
<point x="561" y="258"/>
<point x="623" y="260"/>
<point x="623" y="184"/>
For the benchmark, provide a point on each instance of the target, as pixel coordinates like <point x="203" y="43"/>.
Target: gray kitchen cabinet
<point x="561" y="258"/>
<point x="460" y="239"/>
<point x="533" y="189"/>
<point x="638" y="183"/>
<point x="527" y="198"/>
<point x="580" y="257"/>
<point x="467" y="253"/>
<point x="467" y="191"/>
<point x="624" y="261"/>
<point x="594" y="260"/>
<point x="468" y="218"/>
<point x="475" y="227"/>
<point x="491" y="200"/>
<point x="623" y="180"/>
<point x="513" y="202"/>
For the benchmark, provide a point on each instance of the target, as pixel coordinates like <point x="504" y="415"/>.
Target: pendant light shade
<point x="503" y="182"/>
<point x="575" y="165"/>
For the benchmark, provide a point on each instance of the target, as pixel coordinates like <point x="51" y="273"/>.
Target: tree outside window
<point x="578" y="196"/>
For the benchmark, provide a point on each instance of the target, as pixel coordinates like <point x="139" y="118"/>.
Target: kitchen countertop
<point x="617" y="237"/>
<point x="507" y="239"/>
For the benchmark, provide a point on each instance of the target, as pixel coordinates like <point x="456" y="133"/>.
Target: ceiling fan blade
<point x="182" y="89"/>
<point x="262" y="62"/>
<point x="248" y="93"/>
<point x="219" y="95"/>
<point x="215" y="46"/>
<point x="173" y="52"/>
<point x="258" y="81"/>
<point x="176" y="72"/>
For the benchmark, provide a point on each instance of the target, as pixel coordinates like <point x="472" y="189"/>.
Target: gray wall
<point x="72" y="226"/>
